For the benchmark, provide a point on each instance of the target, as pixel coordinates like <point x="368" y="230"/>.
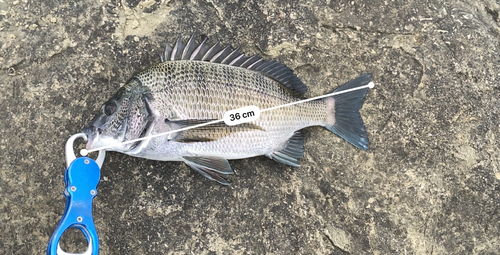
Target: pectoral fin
<point x="207" y="133"/>
<point x="214" y="168"/>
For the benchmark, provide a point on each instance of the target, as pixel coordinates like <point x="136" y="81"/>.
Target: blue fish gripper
<point x="81" y="178"/>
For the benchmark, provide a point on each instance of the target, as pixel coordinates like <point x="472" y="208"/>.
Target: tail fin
<point x="344" y="108"/>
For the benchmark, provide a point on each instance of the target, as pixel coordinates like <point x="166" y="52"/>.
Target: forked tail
<point x="343" y="112"/>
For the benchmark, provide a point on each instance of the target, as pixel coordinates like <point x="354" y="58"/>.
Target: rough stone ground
<point x="428" y="185"/>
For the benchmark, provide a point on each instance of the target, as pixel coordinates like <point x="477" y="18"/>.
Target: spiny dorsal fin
<point x="190" y="47"/>
<point x="200" y="51"/>
<point x="216" y="54"/>
<point x="178" y="49"/>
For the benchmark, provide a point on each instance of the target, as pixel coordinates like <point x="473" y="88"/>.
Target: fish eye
<point x="110" y="108"/>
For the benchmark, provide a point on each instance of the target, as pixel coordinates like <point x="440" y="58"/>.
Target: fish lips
<point x="92" y="133"/>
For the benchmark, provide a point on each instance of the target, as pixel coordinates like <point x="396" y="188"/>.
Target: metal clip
<point x="81" y="178"/>
<point x="70" y="154"/>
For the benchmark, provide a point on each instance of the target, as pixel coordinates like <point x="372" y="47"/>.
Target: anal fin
<point x="293" y="150"/>
<point x="214" y="168"/>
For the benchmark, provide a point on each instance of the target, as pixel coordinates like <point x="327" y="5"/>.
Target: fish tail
<point x="343" y="116"/>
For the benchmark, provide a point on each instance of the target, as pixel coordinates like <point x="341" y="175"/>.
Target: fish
<point x="195" y="83"/>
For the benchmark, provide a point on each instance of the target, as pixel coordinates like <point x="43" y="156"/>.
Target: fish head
<point x="124" y="117"/>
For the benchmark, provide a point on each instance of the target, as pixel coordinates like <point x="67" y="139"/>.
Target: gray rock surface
<point x="428" y="185"/>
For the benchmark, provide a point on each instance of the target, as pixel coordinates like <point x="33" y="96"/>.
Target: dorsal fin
<point x="200" y="51"/>
<point x="178" y="49"/>
<point x="216" y="54"/>
<point x="190" y="47"/>
<point x="212" y="51"/>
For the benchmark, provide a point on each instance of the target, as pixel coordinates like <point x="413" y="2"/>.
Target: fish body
<point x="196" y="84"/>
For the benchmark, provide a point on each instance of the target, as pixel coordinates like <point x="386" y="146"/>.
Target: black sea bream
<point x="195" y="84"/>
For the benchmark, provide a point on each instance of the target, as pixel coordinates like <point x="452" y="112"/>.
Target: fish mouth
<point x="92" y="133"/>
